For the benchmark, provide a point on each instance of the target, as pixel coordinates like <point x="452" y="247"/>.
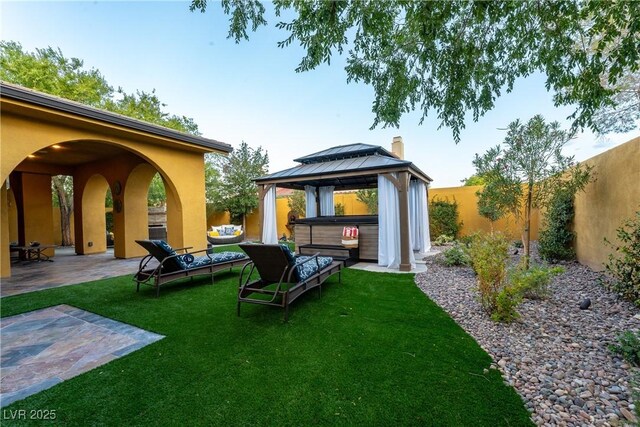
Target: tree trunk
<point x="527" y="226"/>
<point x="66" y="207"/>
<point x="244" y="224"/>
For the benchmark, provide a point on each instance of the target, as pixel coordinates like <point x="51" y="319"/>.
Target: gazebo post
<point x="317" y="201"/>
<point x="403" y="200"/>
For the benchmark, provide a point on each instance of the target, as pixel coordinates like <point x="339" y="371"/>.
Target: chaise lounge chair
<point x="174" y="266"/>
<point x="283" y="276"/>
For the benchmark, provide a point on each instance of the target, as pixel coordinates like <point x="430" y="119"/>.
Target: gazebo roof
<point x="344" y="152"/>
<point x="345" y="167"/>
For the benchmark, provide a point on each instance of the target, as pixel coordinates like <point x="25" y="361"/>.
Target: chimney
<point x="397" y="147"/>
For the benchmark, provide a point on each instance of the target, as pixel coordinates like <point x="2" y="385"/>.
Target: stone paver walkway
<point x="45" y="347"/>
<point x="67" y="268"/>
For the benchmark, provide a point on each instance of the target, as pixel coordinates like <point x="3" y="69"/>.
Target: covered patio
<point x="44" y="136"/>
<point x="392" y="238"/>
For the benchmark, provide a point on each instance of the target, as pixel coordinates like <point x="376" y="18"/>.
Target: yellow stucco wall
<point x="38" y="210"/>
<point x="613" y="197"/>
<point x="12" y="216"/>
<point x="471" y="219"/>
<point x="5" y="261"/>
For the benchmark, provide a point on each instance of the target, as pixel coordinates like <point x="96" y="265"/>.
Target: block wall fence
<point x="613" y="197"/>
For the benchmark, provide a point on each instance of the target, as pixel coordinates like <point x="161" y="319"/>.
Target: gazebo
<point x="390" y="238"/>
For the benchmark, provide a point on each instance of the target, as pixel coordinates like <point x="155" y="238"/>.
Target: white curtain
<point x="310" y="197"/>
<point x="419" y="217"/>
<point x="269" y="226"/>
<point x="326" y="201"/>
<point x="388" y="224"/>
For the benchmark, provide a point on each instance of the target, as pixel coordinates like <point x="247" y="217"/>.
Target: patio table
<point x="32" y="253"/>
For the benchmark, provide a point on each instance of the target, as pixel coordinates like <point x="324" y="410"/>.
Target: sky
<point x="250" y="91"/>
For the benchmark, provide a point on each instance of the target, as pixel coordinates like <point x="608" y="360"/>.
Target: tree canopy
<point x="49" y="71"/>
<point x="526" y="170"/>
<point x="237" y="193"/>
<point x="455" y="57"/>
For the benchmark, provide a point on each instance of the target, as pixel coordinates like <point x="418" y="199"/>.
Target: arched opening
<point x="157" y="205"/>
<point x="94" y="223"/>
<point x="147" y="191"/>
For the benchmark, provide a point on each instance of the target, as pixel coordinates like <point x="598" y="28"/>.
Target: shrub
<point x="443" y="218"/>
<point x="443" y="239"/>
<point x="628" y="347"/>
<point x="466" y="240"/>
<point x="518" y="244"/>
<point x="489" y="255"/>
<point x="507" y="300"/>
<point x="455" y="255"/>
<point x="534" y="282"/>
<point x="623" y="264"/>
<point x="556" y="238"/>
<point x="339" y="209"/>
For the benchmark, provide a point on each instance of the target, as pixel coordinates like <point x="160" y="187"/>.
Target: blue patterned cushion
<point x="291" y="257"/>
<point x="226" y="256"/>
<point x="308" y="269"/>
<point x="165" y="247"/>
<point x="178" y="262"/>
<point x="215" y="259"/>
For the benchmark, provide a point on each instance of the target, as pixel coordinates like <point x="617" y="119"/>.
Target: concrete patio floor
<point x="67" y="268"/>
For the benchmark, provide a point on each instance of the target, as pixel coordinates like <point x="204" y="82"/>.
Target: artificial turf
<point x="374" y="350"/>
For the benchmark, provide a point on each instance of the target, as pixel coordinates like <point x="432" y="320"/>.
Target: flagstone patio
<point x="45" y="347"/>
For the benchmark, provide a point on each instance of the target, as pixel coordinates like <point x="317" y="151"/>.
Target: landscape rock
<point x="556" y="355"/>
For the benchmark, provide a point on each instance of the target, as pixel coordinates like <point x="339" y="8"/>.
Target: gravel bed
<point x="556" y="355"/>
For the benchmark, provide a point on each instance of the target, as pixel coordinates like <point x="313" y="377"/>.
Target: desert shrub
<point x="339" y="209"/>
<point x="455" y="255"/>
<point x="443" y="218"/>
<point x="628" y="347"/>
<point x="443" y="239"/>
<point x="489" y="254"/>
<point x="466" y="240"/>
<point x="534" y="282"/>
<point x="623" y="263"/>
<point x="507" y="300"/>
<point x="556" y="238"/>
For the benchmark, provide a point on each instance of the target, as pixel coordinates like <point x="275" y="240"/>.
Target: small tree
<point x="443" y="218"/>
<point x="237" y="193"/>
<point x="473" y="180"/>
<point x="527" y="169"/>
<point x="297" y="203"/>
<point x="370" y="199"/>
<point x="556" y="237"/>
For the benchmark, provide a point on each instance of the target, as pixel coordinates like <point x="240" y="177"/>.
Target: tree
<point x="157" y="195"/>
<point x="525" y="172"/>
<point x="297" y="203"/>
<point x="49" y="71"/>
<point x="63" y="190"/>
<point x="623" y="112"/>
<point x="455" y="57"/>
<point x="473" y="180"/>
<point x="370" y="199"/>
<point x="238" y="194"/>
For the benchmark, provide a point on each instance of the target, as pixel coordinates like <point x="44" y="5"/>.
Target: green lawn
<point x="372" y="351"/>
